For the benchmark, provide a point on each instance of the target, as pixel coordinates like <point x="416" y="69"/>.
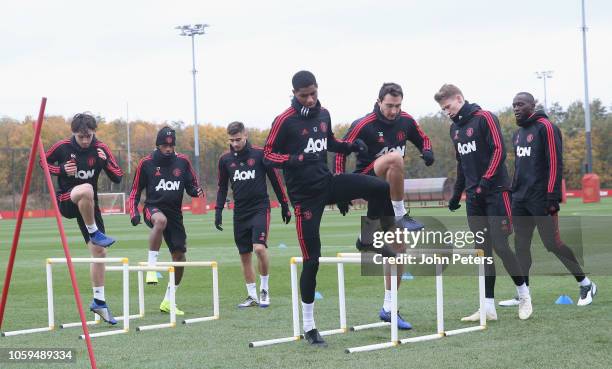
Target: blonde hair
<point x="447" y="90"/>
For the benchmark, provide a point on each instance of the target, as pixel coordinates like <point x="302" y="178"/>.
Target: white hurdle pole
<point x="51" y="305"/>
<point x="215" y="284"/>
<point x="171" y="284"/>
<point x="295" y="300"/>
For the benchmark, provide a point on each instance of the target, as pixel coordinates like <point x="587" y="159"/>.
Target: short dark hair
<point x="235" y="128"/>
<point x="303" y="79"/>
<point x="82" y="122"/>
<point x="390" y="88"/>
<point x="446" y="91"/>
<point x="529" y="97"/>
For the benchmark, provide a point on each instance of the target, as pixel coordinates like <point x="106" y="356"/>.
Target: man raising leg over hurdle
<point x="385" y="131"/>
<point x="165" y="174"/>
<point x="77" y="162"/>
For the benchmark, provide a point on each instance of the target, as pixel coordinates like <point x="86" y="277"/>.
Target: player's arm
<point x="490" y="125"/>
<point x="138" y="184"/>
<point x="553" y="150"/>
<point x="192" y="185"/>
<point x="54" y="163"/>
<point x="112" y="169"/>
<point x="344" y="147"/>
<point x="279" y="190"/>
<point x="273" y="156"/>
<point x="421" y="141"/>
<point x="340" y="159"/>
<point x="222" y="182"/>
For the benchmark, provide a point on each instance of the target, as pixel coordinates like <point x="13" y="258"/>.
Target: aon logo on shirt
<point x="398" y="149"/>
<point x="241" y="175"/>
<point x="85" y="174"/>
<point x="466" y="148"/>
<point x="317" y="145"/>
<point x="523" y="151"/>
<point x="168" y="185"/>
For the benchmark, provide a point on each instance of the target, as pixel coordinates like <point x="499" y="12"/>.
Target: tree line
<point x="16" y="138"/>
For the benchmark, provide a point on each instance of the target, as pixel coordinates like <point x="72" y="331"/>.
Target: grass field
<point x="557" y="336"/>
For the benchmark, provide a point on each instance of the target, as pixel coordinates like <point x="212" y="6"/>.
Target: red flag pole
<point x="37" y="143"/>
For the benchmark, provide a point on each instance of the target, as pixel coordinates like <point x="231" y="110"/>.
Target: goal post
<point x="111" y="202"/>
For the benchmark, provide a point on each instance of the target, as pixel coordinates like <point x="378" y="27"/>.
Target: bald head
<point x="523" y="106"/>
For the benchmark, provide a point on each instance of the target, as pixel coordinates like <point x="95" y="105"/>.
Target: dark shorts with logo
<point x="174" y="234"/>
<point x="252" y="230"/>
<point x="70" y="210"/>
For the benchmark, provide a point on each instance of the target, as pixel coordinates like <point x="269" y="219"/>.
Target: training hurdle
<point x="355" y="258"/>
<point x="340" y="261"/>
<point x="50" y="304"/>
<point x="141" y="305"/>
<point x="215" y="285"/>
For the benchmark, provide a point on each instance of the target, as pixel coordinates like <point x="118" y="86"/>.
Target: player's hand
<point x="101" y="154"/>
<point x="218" y="220"/>
<point x="70" y="168"/>
<point x="453" y="203"/>
<point x="200" y="192"/>
<point x="343" y="206"/>
<point x="135" y="220"/>
<point x="428" y="157"/>
<point x="552" y="206"/>
<point x="483" y="188"/>
<point x="286" y="213"/>
<point x="359" y="147"/>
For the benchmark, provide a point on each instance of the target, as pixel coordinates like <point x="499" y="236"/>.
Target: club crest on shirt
<point x="323" y="126"/>
<point x="177" y="172"/>
<point x="307" y="215"/>
<point x="251" y="162"/>
<point x="530" y="137"/>
<point x="401" y="136"/>
<point x="91" y="161"/>
<point x="469" y="132"/>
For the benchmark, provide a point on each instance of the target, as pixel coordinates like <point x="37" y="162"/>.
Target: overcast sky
<point x="98" y="56"/>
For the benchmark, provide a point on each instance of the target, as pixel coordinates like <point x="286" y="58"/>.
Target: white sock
<point x="152" y="260"/>
<point x="308" y="316"/>
<point x="490" y="304"/>
<point x="387" y="302"/>
<point x="585" y="282"/>
<point x="522" y="290"/>
<point x="399" y="208"/>
<point x="91" y="228"/>
<point x="167" y="297"/>
<point x="264" y="282"/>
<point x="252" y="290"/>
<point x="98" y="293"/>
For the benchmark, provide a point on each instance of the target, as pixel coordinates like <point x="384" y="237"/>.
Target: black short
<point x="252" y="230"/>
<point x="174" y="234"/>
<point x="70" y="210"/>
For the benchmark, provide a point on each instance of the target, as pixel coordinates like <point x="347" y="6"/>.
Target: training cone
<point x="318" y="296"/>
<point x="407" y="277"/>
<point x="564" y="300"/>
<point x="282" y="246"/>
<point x="159" y="275"/>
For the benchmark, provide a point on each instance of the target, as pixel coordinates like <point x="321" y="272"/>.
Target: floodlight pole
<point x="192" y="31"/>
<point x="544" y="75"/>
<point x="587" y="101"/>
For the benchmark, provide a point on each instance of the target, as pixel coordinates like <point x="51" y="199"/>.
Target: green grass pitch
<point x="557" y="336"/>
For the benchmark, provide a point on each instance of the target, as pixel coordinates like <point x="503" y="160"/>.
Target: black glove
<point x="428" y="157"/>
<point x="135" y="220"/>
<point x="552" y="205"/>
<point x="359" y="147"/>
<point x="453" y="203"/>
<point x="343" y="206"/>
<point x="285" y="213"/>
<point x="218" y="220"/>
